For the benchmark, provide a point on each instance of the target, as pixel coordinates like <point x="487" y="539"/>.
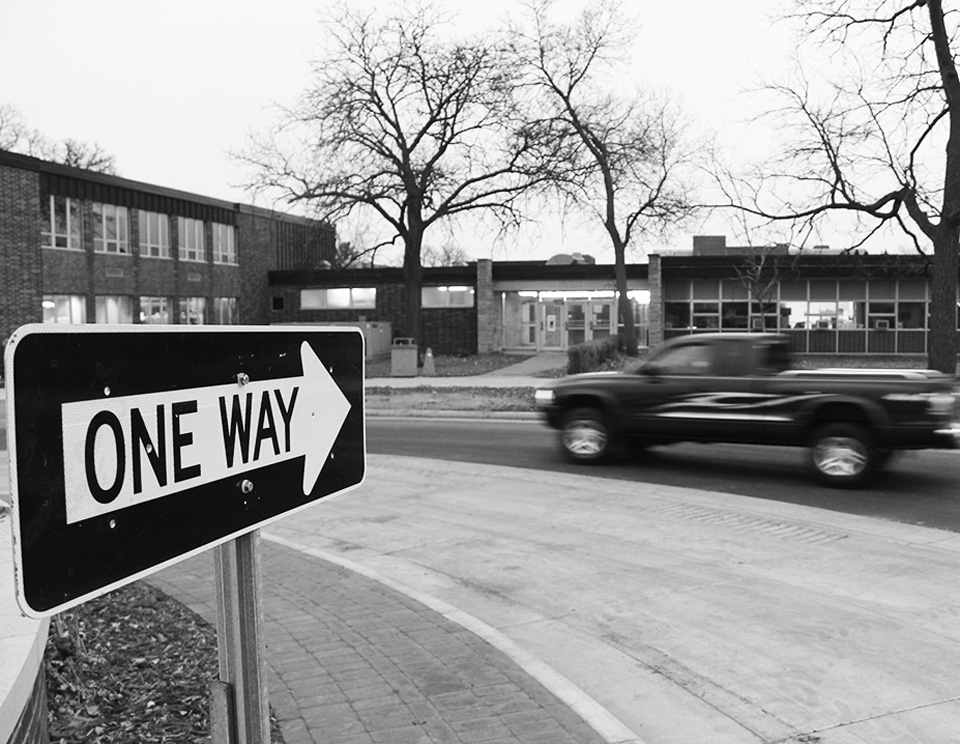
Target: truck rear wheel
<point x="842" y="455"/>
<point x="585" y="436"/>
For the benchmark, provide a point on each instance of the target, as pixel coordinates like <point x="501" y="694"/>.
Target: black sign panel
<point x="132" y="447"/>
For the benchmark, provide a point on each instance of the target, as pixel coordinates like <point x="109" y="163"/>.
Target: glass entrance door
<point x="576" y="321"/>
<point x="601" y="313"/>
<point x="530" y="323"/>
<point x="552" y="336"/>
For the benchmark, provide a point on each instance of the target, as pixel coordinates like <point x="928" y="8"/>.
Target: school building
<point x="83" y="247"/>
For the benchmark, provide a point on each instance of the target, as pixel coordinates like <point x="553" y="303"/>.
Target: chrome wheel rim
<point x="584" y="439"/>
<point x="840" y="457"/>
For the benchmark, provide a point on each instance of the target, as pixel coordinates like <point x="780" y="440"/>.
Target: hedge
<point x="592" y="355"/>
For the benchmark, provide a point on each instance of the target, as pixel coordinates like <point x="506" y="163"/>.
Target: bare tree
<point x="624" y="153"/>
<point x="876" y="137"/>
<point x="447" y="254"/>
<point x="16" y="136"/>
<point x="12" y="127"/>
<point x="404" y="121"/>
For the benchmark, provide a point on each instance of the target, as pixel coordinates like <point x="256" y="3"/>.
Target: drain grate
<point x="792" y="531"/>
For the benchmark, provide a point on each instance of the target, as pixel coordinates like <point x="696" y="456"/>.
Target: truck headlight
<point x="941" y="404"/>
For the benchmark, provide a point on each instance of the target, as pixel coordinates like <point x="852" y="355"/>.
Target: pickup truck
<point x="740" y="388"/>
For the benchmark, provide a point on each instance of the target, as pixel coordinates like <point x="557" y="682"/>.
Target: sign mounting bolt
<point x="246" y="486"/>
<point x="242" y="379"/>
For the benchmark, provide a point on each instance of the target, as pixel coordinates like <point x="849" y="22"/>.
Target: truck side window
<point x="773" y="358"/>
<point x="689" y="359"/>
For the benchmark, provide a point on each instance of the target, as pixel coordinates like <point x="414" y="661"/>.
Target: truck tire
<point x="585" y="436"/>
<point x="842" y="455"/>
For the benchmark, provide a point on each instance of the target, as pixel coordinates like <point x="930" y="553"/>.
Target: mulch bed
<point x="131" y="667"/>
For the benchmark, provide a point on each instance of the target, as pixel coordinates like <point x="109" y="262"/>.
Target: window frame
<point x="322" y="299"/>
<point x="153" y="246"/>
<point x="186" y="250"/>
<point x="147" y="305"/>
<point x="429" y="297"/>
<point x="73" y="224"/>
<point x="223" y="233"/>
<point x="76" y="304"/>
<point x="106" y="306"/>
<point x="106" y="216"/>
<point x="192" y="307"/>
<point x="232" y="305"/>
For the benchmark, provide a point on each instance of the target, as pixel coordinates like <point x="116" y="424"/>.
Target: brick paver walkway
<point x="352" y="661"/>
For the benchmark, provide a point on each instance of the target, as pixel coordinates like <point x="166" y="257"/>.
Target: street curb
<point x="447" y="414"/>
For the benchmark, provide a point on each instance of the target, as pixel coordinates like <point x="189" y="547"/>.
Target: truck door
<point x="731" y="405"/>
<point x="699" y="391"/>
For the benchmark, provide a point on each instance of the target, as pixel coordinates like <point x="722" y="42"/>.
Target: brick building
<point x="82" y="247"/>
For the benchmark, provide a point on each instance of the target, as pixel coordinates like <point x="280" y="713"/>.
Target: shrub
<point x="592" y="355"/>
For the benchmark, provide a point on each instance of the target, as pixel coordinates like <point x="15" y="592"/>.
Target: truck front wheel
<point x="585" y="436"/>
<point x="841" y="455"/>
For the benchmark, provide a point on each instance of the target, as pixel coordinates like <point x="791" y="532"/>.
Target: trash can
<point x="403" y="358"/>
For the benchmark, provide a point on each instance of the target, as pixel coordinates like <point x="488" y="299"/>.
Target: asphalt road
<point x="915" y="488"/>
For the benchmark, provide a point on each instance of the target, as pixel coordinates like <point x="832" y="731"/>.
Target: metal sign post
<point x="239" y="711"/>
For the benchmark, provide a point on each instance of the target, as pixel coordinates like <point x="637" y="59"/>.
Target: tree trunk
<point x="624" y="306"/>
<point x="942" y="338"/>
<point x="412" y="284"/>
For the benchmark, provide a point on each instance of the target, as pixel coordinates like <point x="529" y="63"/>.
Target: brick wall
<point x="20" y="263"/>
<point x="489" y="322"/>
<point x="256" y="251"/>
<point x="445" y="330"/>
<point x="655" y="317"/>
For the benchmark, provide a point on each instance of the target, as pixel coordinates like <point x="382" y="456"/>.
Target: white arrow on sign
<point x="119" y="452"/>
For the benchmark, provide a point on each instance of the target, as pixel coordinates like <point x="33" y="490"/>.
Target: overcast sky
<point x="170" y="87"/>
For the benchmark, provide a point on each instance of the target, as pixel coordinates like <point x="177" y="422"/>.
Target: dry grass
<point x="450" y="365"/>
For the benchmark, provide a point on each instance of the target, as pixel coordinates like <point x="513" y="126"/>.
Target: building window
<point x="278" y="303"/>
<point x="225" y="311"/>
<point x="154" y="310"/>
<point x="224" y="244"/>
<point x="64" y="309"/>
<point x="111" y="229"/>
<point x="190" y="232"/>
<point x="192" y="310"/>
<point x="154" y="234"/>
<point x="706" y="315"/>
<point x="114" y="309"/>
<point x="447" y="297"/>
<point x="342" y="298"/>
<point x="61" y="223"/>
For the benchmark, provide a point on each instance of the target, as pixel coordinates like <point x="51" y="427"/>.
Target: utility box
<point x="403" y="358"/>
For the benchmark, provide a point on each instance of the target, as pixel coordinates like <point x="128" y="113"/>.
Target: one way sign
<point x="133" y="447"/>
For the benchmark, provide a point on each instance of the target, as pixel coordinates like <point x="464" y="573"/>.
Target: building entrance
<point x="556" y="324"/>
